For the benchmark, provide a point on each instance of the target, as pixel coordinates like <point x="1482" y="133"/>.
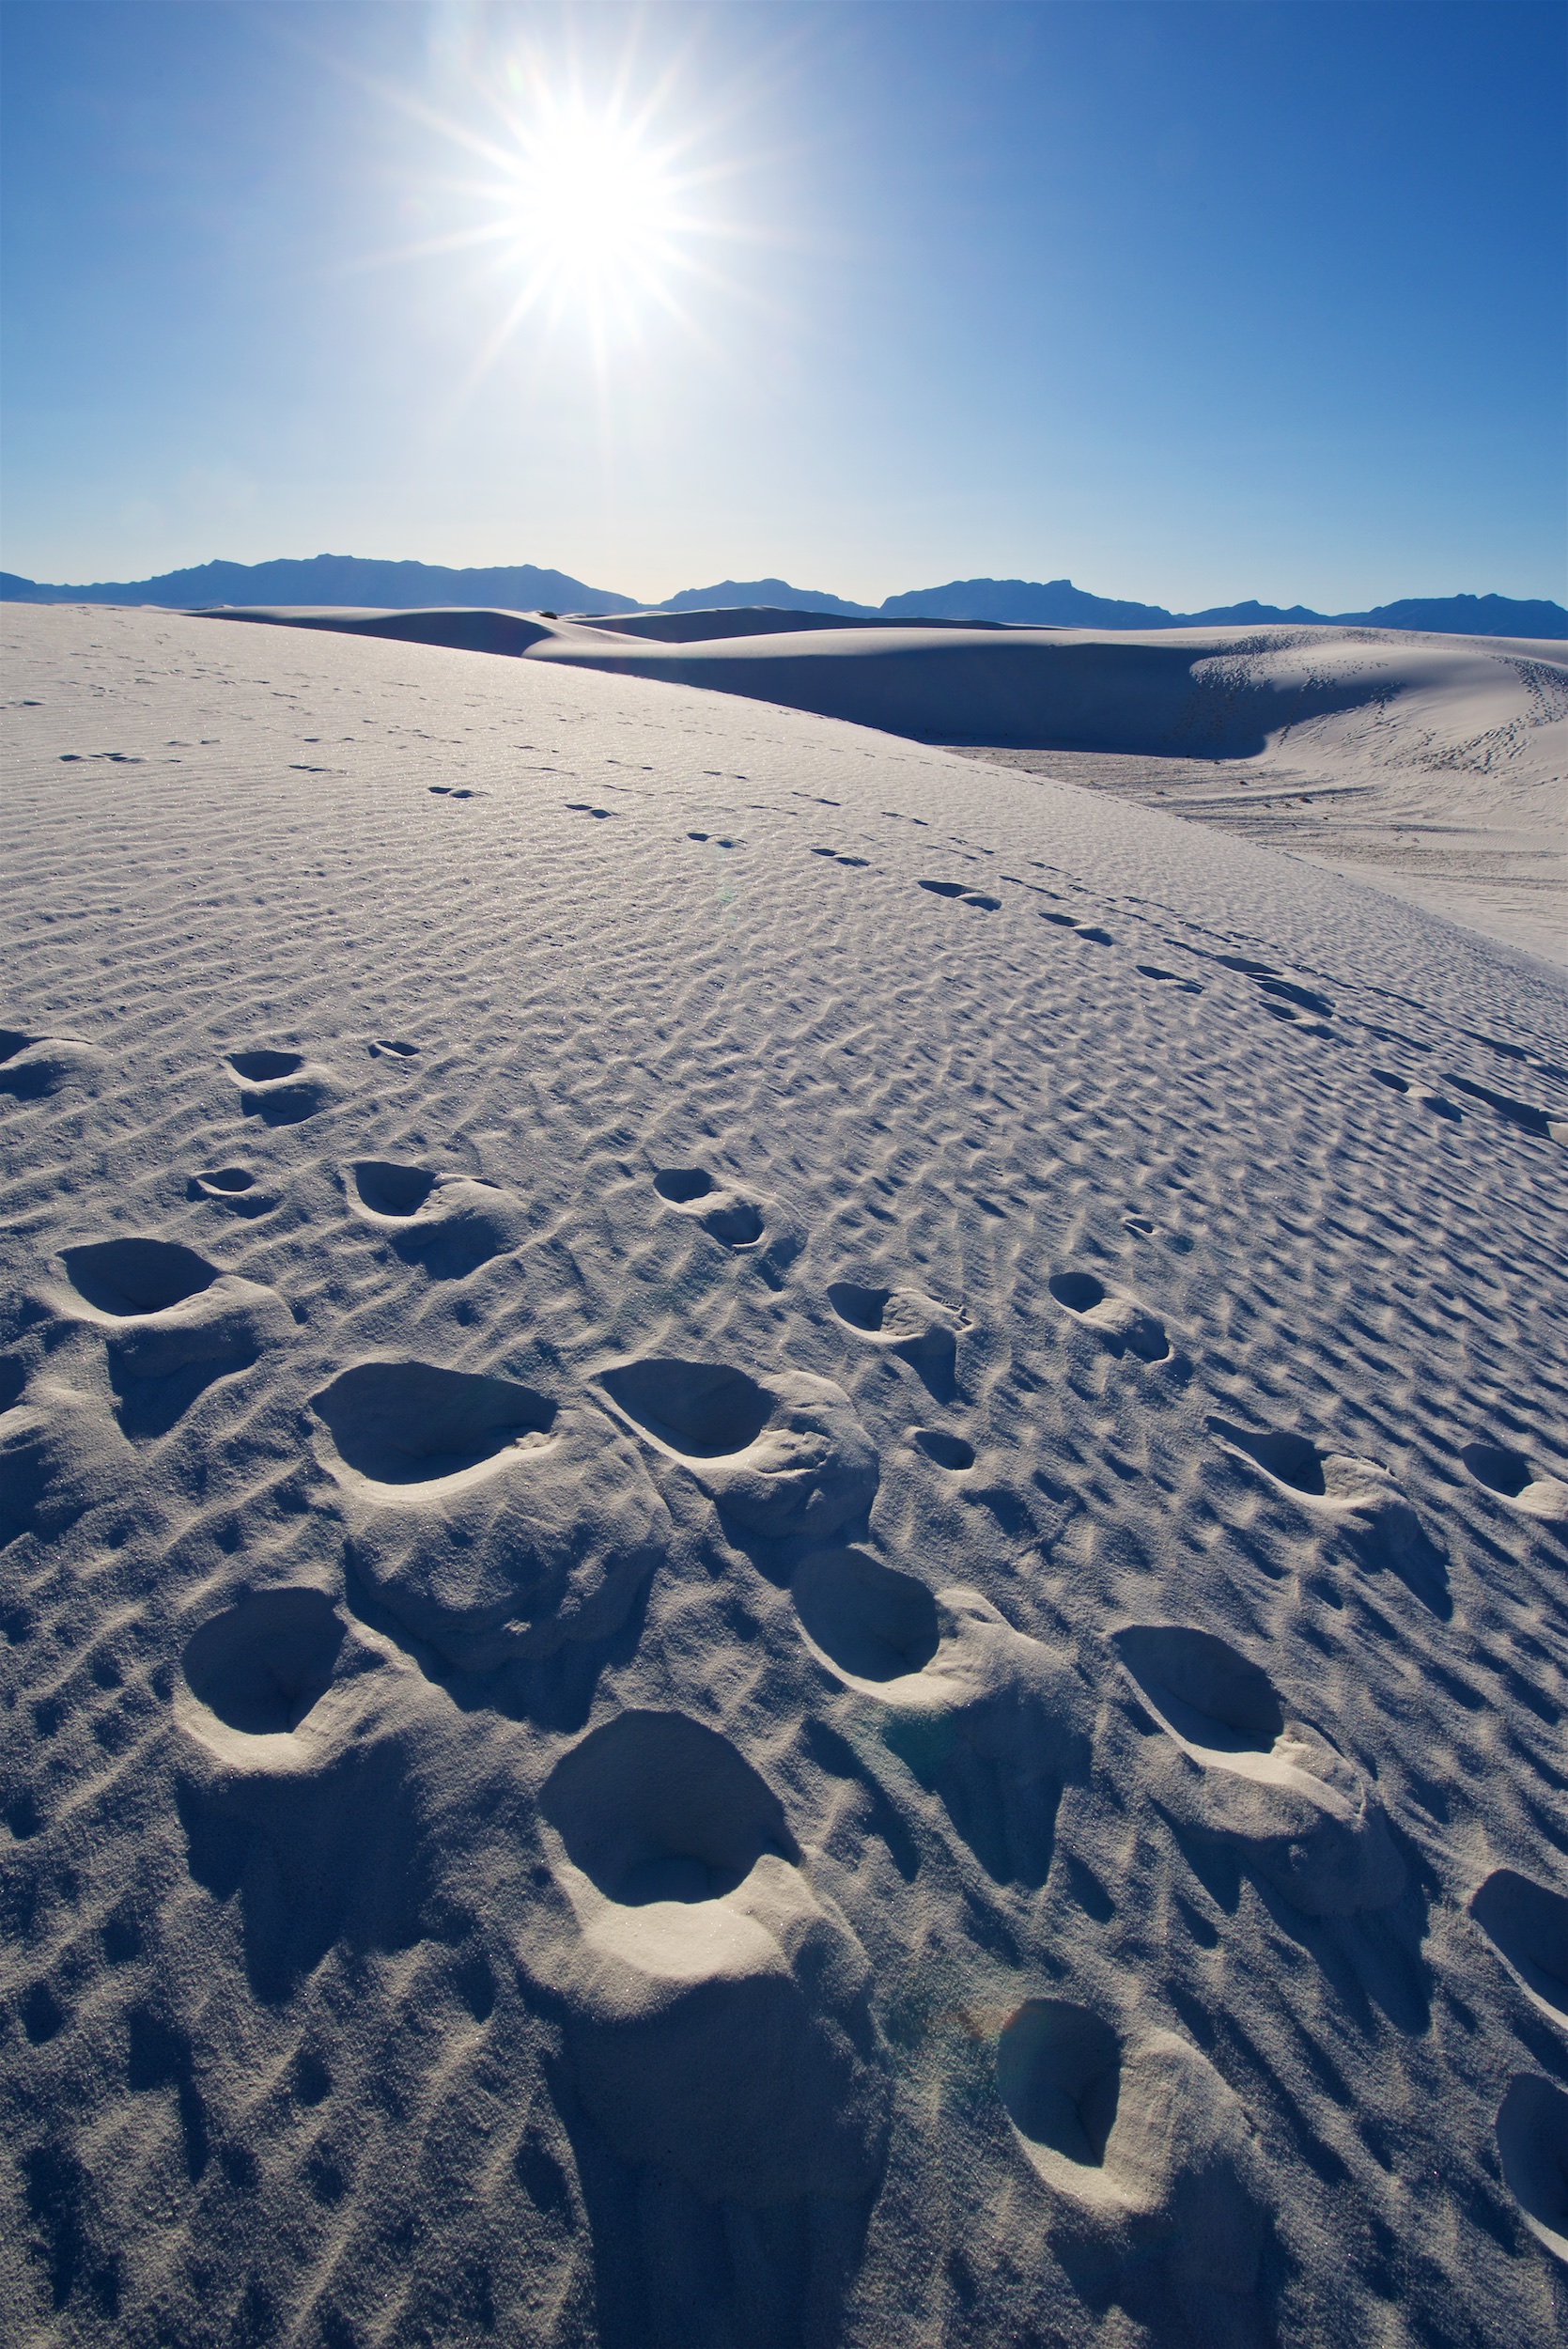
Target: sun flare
<point x="595" y="203"/>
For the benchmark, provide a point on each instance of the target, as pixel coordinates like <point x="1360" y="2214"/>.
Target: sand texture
<point x="785" y="1537"/>
<point x="1435" y="767"/>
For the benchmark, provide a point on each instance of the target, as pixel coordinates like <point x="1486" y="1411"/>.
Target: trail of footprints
<point x="1306" y="1011"/>
<point x="495" y="1524"/>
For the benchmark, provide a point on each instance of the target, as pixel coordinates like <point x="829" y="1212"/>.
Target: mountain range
<point x="346" y="579"/>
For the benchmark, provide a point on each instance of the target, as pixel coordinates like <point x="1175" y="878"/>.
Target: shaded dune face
<point x="718" y="2009"/>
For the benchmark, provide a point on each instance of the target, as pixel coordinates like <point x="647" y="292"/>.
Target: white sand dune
<point x="1435" y="767"/>
<point x="785" y="1519"/>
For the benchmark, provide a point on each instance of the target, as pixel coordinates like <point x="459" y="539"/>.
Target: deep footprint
<point x="1119" y="1322"/>
<point x="1239" y="1769"/>
<point x="729" y="1216"/>
<point x="281" y="1088"/>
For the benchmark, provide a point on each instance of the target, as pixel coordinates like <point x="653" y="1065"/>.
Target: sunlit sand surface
<point x="785" y="1520"/>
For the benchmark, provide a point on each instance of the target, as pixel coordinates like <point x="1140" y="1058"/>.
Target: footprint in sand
<point x="235" y="1188"/>
<point x="1149" y="2153"/>
<point x="280" y="1088"/>
<point x="279" y="1683"/>
<point x="455" y="791"/>
<point x="492" y="1521"/>
<point x="1358" y="1496"/>
<point x="171" y="1324"/>
<point x="1532" y="2142"/>
<point x="991" y="1720"/>
<point x="906" y="1322"/>
<point x="718" y="2019"/>
<point x="34" y="1066"/>
<point x="1119" y="1321"/>
<point x="393" y="1048"/>
<point x="580" y="807"/>
<point x="964" y="894"/>
<point x="1509" y="1476"/>
<point x="1238" y="1769"/>
<point x="1146" y="1228"/>
<point x="60" y="1457"/>
<point x="736" y="1217"/>
<point x="1089" y="930"/>
<point x="1286" y="998"/>
<point x="782" y="1455"/>
<point x="1524" y="1114"/>
<point x="449" y="1223"/>
<point x="948" y="1451"/>
<point x="1153" y="970"/>
<point x="1527" y="1926"/>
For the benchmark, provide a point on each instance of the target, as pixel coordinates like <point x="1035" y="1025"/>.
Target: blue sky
<point x="1185" y="301"/>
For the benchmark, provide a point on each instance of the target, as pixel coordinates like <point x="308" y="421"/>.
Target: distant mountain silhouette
<point x="347" y="578"/>
<point x="1057" y="603"/>
<point x="335" y="578"/>
<point x="736" y="593"/>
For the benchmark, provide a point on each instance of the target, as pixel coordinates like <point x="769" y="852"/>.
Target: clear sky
<point x="1188" y="300"/>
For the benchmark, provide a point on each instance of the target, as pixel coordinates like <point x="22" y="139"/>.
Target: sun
<point x="591" y="218"/>
<point x="596" y="206"/>
<point x="587" y="211"/>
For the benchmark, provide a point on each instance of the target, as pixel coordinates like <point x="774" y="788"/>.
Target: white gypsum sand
<point x="1434" y="766"/>
<point x="785" y="1527"/>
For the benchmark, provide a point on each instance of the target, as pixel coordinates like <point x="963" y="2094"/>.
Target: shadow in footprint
<point x="1510" y="1475"/>
<point x="989" y="1720"/>
<point x="1532" y="2143"/>
<point x="948" y="1451"/>
<point x="234" y="1188"/>
<point x="1157" y="2183"/>
<point x="654" y="1806"/>
<point x="1524" y="1114"/>
<point x="451" y="1224"/>
<point x="1527" y="1926"/>
<point x="717" y="2020"/>
<point x="494" y="1524"/>
<point x="411" y="1423"/>
<point x="785" y="1459"/>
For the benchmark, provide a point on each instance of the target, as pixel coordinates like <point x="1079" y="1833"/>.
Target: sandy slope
<point x="1436" y="767"/>
<point x="785" y="1537"/>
